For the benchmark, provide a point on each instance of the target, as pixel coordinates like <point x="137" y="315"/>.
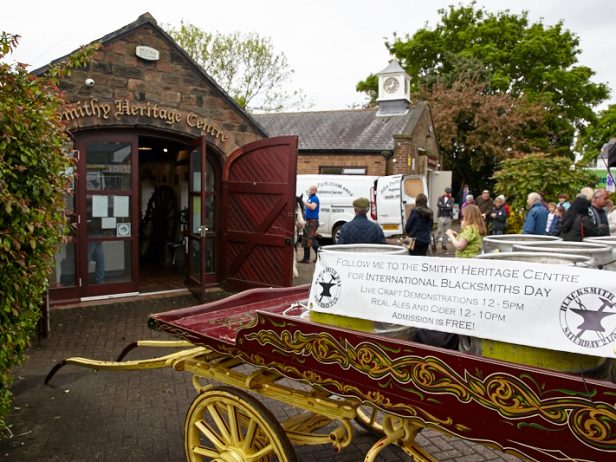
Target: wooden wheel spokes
<point x="228" y="425"/>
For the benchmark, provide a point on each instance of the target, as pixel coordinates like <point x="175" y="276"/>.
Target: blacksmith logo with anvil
<point x="327" y="287"/>
<point x="588" y="317"/>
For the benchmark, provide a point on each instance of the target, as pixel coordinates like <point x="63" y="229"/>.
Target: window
<point x="343" y="170"/>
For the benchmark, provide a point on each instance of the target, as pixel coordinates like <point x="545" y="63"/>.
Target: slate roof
<point x="346" y="130"/>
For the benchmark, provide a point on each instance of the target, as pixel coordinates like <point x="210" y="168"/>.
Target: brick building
<point x="174" y="182"/>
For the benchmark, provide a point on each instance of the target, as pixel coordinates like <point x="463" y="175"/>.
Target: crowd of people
<point x="591" y="213"/>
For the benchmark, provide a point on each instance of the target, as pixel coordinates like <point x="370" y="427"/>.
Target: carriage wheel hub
<point x="232" y="455"/>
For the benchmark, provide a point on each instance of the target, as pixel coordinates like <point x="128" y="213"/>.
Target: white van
<point x="391" y="198"/>
<point x="336" y="195"/>
<point x="394" y="197"/>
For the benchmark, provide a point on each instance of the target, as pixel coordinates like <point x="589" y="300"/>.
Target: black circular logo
<point x="327" y="287"/>
<point x="587" y="317"/>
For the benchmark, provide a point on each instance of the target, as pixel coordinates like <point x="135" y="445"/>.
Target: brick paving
<point x="139" y="415"/>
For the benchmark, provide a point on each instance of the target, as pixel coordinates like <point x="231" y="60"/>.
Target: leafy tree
<point x="477" y="129"/>
<point x="548" y="175"/>
<point x="517" y="58"/>
<point x="521" y="58"/>
<point x="34" y="161"/>
<point x="245" y="66"/>
<point x="593" y="137"/>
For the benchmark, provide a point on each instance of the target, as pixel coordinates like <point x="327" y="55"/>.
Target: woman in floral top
<point x="470" y="241"/>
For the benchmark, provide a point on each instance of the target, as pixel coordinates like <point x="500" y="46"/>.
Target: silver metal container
<point x="609" y="241"/>
<point x="599" y="253"/>
<point x="384" y="249"/>
<point x="541" y="257"/>
<point x="505" y="242"/>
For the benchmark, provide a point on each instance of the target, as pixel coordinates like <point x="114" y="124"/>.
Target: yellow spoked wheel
<point x="228" y="425"/>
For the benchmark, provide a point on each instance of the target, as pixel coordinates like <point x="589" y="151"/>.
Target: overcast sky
<point x="330" y="44"/>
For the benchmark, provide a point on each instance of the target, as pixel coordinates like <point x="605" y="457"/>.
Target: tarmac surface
<point x="139" y="415"/>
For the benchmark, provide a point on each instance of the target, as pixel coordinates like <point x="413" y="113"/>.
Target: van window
<point x="343" y="170"/>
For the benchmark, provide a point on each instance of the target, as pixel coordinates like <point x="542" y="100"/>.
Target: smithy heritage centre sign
<point x="122" y="108"/>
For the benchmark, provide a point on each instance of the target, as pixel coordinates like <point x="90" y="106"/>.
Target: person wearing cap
<point x="360" y="230"/>
<point x="445" y="217"/>
<point x="311" y="214"/>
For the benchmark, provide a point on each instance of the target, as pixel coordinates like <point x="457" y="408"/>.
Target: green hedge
<point x="34" y="166"/>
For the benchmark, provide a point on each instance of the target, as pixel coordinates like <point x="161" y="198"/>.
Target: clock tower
<point x="394" y="96"/>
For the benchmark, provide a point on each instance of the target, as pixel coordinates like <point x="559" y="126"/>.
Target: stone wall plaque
<point x="147" y="53"/>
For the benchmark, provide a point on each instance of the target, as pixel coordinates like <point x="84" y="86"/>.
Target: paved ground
<point x="138" y="416"/>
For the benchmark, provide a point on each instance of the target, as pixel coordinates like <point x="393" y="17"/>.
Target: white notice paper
<point x="120" y="206"/>
<point x="108" y="222"/>
<point x="557" y="307"/>
<point x="100" y="206"/>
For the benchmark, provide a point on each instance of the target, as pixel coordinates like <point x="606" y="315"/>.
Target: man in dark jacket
<point x="598" y="215"/>
<point x="445" y="216"/>
<point x="360" y="230"/>
<point x="577" y="223"/>
<point x="498" y="217"/>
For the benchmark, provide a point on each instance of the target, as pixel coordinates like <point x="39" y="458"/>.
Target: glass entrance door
<point x="108" y="216"/>
<point x="197" y="220"/>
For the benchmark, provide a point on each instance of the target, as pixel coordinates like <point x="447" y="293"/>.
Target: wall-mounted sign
<point x="127" y="110"/>
<point x="147" y="53"/>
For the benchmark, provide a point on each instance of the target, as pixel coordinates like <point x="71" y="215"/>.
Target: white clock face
<point x="390" y="85"/>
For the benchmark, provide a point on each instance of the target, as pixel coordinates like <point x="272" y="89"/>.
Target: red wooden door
<point x="258" y="207"/>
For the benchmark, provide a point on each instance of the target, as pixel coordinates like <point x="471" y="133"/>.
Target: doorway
<point x="147" y="217"/>
<point x="164" y="208"/>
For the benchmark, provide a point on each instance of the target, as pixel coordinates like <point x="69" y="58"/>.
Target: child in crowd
<point x="554" y="228"/>
<point x="563" y="201"/>
<point x="551" y="214"/>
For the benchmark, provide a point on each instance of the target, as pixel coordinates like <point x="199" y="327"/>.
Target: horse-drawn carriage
<point x="262" y="343"/>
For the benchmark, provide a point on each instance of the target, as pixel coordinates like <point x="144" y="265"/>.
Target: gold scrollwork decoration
<point x="593" y="423"/>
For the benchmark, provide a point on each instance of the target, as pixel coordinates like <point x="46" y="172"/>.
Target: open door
<point x="258" y="207"/>
<point x="196" y="220"/>
<point x="410" y="187"/>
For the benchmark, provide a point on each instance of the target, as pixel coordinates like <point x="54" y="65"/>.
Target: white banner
<point x="558" y="307"/>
